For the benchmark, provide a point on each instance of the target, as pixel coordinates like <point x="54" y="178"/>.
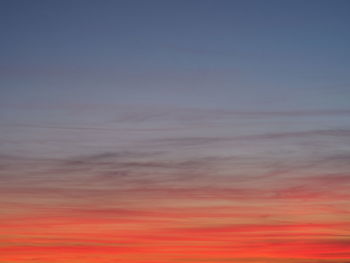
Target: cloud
<point x="146" y="113"/>
<point x="198" y="141"/>
<point x="158" y="175"/>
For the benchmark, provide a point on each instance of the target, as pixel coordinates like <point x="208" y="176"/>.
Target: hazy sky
<point x="174" y="131"/>
<point x="245" y="55"/>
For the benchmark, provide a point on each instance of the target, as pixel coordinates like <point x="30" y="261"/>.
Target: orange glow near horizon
<point x="255" y="230"/>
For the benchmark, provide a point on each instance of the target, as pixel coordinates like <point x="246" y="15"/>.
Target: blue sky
<point x="149" y="64"/>
<point x="245" y="55"/>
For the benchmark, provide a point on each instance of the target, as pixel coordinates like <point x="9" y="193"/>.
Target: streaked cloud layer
<point x="173" y="132"/>
<point x="249" y="194"/>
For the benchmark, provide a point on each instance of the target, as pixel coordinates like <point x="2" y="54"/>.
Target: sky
<point x="174" y="131"/>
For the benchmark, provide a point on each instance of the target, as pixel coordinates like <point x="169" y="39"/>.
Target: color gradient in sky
<point x="174" y="131"/>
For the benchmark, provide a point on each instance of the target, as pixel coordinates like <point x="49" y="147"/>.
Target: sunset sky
<point x="183" y="131"/>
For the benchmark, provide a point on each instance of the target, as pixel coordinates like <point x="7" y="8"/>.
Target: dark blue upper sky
<point x="245" y="55"/>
